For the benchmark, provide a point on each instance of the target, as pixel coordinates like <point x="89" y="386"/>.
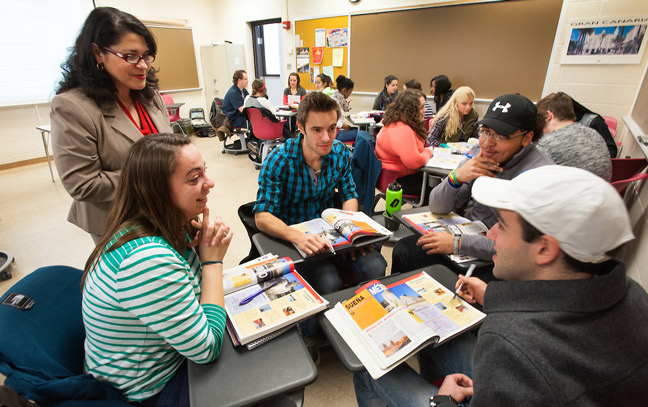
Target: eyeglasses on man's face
<point x="486" y="132"/>
<point x="133" y="59"/>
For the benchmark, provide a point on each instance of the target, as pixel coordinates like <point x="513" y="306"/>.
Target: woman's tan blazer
<point x="90" y="145"/>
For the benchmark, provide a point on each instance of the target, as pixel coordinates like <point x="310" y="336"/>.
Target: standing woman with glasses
<point x="106" y="101"/>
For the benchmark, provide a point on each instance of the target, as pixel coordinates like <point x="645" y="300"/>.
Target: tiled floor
<point x="33" y="227"/>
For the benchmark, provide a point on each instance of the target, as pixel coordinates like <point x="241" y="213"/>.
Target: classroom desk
<point x="46" y="131"/>
<point x="267" y="244"/>
<point x="350" y="361"/>
<point x="461" y="266"/>
<point x="281" y="367"/>
<point x="290" y="115"/>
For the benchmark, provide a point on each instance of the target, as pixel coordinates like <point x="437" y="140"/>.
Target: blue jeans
<point x="175" y="392"/>
<point x="404" y="387"/>
<point x="325" y="278"/>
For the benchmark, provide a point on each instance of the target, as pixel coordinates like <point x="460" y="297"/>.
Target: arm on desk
<point x="477" y="246"/>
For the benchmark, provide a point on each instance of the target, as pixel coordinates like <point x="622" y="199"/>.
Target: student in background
<point x="341" y="96"/>
<point x="294" y="88"/>
<point x="440" y="88"/>
<point x="235" y="97"/>
<point x="259" y="98"/>
<point x="107" y="100"/>
<point x="388" y="94"/>
<point x="324" y="83"/>
<point x="414" y="84"/>
<point x="568" y="142"/>
<point x="138" y="341"/>
<point x="456" y="121"/>
<point x="561" y="302"/>
<point x="400" y="145"/>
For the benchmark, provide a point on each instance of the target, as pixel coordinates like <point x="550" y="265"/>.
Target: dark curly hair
<point x="105" y="26"/>
<point x="406" y="108"/>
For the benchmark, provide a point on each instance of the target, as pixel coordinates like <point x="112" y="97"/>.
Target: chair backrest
<point x="624" y="168"/>
<point x="611" y="123"/>
<point x="246" y="214"/>
<point x="263" y="127"/>
<point x="174" y="112"/>
<point x="621" y="185"/>
<point x="385" y="178"/>
<point x="41" y="349"/>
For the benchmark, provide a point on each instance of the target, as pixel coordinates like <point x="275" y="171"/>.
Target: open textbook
<point x="452" y="223"/>
<point x="280" y="297"/>
<point x="384" y="325"/>
<point x="342" y="228"/>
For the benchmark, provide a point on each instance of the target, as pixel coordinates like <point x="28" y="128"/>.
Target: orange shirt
<point x="400" y="149"/>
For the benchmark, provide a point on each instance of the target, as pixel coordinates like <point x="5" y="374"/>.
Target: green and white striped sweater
<point x="142" y="314"/>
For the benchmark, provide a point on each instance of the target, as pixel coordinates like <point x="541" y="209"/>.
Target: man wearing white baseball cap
<point x="565" y="326"/>
<point x="506" y="148"/>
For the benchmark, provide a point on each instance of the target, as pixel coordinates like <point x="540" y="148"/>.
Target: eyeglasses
<point x="133" y="59"/>
<point x="498" y="137"/>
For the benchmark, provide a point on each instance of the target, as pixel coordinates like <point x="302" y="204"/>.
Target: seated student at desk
<point x="440" y="88"/>
<point x="294" y="88"/>
<point x="565" y="327"/>
<point x="341" y="96"/>
<point x="506" y="149"/>
<point x="297" y="182"/>
<point x="388" y="94"/>
<point x="568" y="142"/>
<point x="259" y="99"/>
<point x="235" y="97"/>
<point x="150" y="301"/>
<point x="400" y="143"/>
<point x="416" y="85"/>
<point x="323" y="84"/>
<point x="456" y="121"/>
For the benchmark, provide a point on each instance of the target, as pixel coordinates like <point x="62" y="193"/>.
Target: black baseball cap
<point x="509" y="113"/>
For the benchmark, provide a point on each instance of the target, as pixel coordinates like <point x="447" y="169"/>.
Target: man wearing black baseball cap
<point x="506" y="149"/>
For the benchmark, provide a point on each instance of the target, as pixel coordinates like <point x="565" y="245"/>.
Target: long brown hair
<point x="143" y="202"/>
<point x="406" y="108"/>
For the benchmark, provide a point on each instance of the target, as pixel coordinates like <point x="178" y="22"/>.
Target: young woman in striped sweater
<point x="150" y="300"/>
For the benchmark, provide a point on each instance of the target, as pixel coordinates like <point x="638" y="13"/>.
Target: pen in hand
<point x="468" y="274"/>
<point x="255" y="294"/>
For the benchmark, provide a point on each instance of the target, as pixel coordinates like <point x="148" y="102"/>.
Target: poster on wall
<point x="605" y="41"/>
<point x="337" y="37"/>
<point x="318" y="53"/>
<point x="303" y="60"/>
<point x="314" y="71"/>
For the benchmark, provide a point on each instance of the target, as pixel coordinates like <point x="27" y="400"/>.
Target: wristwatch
<point x="455" y="244"/>
<point x="442" y="401"/>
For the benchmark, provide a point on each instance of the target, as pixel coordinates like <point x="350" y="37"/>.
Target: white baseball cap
<point x="583" y="212"/>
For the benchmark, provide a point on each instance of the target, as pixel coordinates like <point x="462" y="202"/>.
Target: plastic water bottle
<point x="394" y="198"/>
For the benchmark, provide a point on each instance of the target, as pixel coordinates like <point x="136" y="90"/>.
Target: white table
<point x="46" y="131"/>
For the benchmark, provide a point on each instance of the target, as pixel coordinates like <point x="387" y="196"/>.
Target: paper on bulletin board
<point x="338" y="56"/>
<point x="303" y="60"/>
<point x="337" y="37"/>
<point x="320" y="37"/>
<point x="318" y="53"/>
<point x="298" y="41"/>
<point x="328" y="70"/>
<point x="314" y="71"/>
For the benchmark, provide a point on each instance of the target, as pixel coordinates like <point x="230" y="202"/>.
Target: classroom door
<point x="268" y="60"/>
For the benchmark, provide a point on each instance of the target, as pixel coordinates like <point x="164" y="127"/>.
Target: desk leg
<point x="46" y="140"/>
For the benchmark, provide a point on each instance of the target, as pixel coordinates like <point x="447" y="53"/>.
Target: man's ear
<point x="301" y="128"/>
<point x="547" y="250"/>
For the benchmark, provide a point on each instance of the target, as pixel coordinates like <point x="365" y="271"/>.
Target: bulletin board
<point x="495" y="48"/>
<point x="175" y="59"/>
<point x="305" y="29"/>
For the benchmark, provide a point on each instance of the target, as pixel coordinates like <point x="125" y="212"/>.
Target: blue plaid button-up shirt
<point x="287" y="191"/>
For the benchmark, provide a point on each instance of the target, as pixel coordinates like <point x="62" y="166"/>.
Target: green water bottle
<point x="394" y="198"/>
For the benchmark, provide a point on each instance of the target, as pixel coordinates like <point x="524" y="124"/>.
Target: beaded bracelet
<point x="207" y="263"/>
